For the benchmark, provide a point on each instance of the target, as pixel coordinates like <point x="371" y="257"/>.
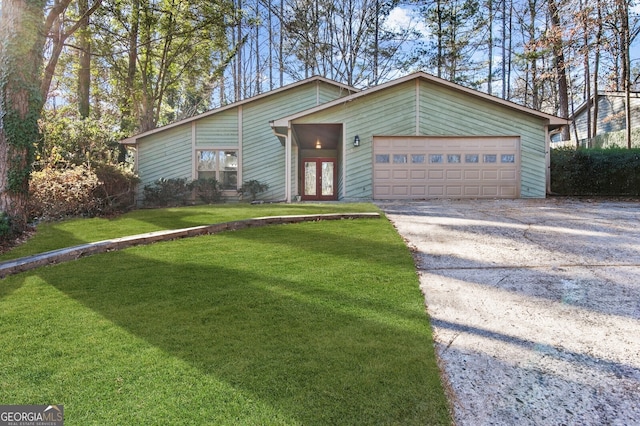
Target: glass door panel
<point x="310" y="178"/>
<point x="327" y="178"/>
<point x="319" y="179"/>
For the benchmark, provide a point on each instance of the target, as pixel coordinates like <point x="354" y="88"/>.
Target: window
<point x="453" y="158"/>
<point x="471" y="158"/>
<point x="417" y="158"/>
<point x="220" y="165"/>
<point x="399" y="158"/>
<point x="382" y="158"/>
<point x="508" y="158"/>
<point x="490" y="158"/>
<point x="435" y="158"/>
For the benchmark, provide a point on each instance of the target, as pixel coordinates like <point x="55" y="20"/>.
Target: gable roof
<point x="603" y="94"/>
<point x="132" y="140"/>
<point x="553" y="120"/>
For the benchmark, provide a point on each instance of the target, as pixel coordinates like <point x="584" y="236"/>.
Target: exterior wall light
<point x="318" y="144"/>
<point x="356" y="141"/>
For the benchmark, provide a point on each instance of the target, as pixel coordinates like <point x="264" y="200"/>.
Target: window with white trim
<point x="221" y="165"/>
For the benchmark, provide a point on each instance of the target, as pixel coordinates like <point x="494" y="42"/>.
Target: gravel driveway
<point x="535" y="306"/>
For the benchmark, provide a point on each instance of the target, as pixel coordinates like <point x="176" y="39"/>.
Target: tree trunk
<point x="84" y="70"/>
<point x="281" y="45"/>
<point x="559" y="65"/>
<point x="21" y="45"/>
<point x="128" y="122"/>
<point x="440" y="48"/>
<point x="625" y="38"/>
<point x="587" y="70"/>
<point x="239" y="76"/>
<point x="596" y="73"/>
<point x="490" y="48"/>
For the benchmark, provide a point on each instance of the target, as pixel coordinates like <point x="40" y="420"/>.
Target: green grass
<point x="313" y="323"/>
<point x="55" y="235"/>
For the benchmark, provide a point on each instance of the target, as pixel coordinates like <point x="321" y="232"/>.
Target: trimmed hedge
<point x="608" y="172"/>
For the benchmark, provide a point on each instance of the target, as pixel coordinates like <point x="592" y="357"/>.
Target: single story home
<point x="611" y="122"/>
<point x="415" y="137"/>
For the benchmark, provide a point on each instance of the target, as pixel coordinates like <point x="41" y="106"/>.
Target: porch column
<point x="287" y="166"/>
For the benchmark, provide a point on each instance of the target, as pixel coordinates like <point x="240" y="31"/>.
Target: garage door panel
<point x="489" y="175"/>
<point x="454" y="174"/>
<point x="507" y="174"/>
<point x="382" y="174"/>
<point x="506" y="191"/>
<point x="472" y="191"/>
<point x="400" y="174"/>
<point x="472" y="174"/>
<point x="435" y="190"/>
<point x="453" y="190"/>
<point x="489" y="191"/>
<point x="418" y="190"/>
<point x="383" y="190"/>
<point x="400" y="190"/>
<point x="418" y="174"/>
<point x="432" y="167"/>
<point x="436" y="174"/>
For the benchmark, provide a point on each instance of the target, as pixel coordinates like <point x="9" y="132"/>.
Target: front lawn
<point x="313" y="323"/>
<point x="55" y="235"/>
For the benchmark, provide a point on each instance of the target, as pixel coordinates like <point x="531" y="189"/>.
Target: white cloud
<point x="403" y="17"/>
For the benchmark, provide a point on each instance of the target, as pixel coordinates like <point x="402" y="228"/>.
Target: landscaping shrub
<point x="79" y="191"/>
<point x="206" y="190"/>
<point x="116" y="191"/>
<point x="253" y="188"/>
<point x="56" y="193"/>
<point x="166" y="192"/>
<point x="612" y="171"/>
<point x="5" y="226"/>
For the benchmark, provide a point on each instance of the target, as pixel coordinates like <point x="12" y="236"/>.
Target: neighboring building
<point x="611" y="120"/>
<point x="415" y="137"/>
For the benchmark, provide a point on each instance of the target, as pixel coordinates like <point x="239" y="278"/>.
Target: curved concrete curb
<point x="15" y="266"/>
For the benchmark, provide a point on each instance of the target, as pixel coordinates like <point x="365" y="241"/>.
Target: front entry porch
<point x="318" y="161"/>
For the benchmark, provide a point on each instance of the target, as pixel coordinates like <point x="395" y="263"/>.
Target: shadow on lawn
<point x="322" y="352"/>
<point x="185" y="217"/>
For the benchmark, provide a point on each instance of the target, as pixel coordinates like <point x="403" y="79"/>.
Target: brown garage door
<point x="446" y="167"/>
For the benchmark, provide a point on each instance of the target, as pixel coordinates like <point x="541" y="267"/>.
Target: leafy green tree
<point x="455" y="26"/>
<point x="68" y="141"/>
<point x="162" y="57"/>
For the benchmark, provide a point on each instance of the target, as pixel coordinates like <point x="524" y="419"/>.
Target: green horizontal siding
<point x="328" y="92"/>
<point x="169" y="153"/>
<point x="388" y="112"/>
<point x="263" y="156"/>
<point x="166" y="154"/>
<point x="442" y="112"/>
<point x="219" y="129"/>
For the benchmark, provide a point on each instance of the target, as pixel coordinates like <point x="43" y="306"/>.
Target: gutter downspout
<point x="548" y="156"/>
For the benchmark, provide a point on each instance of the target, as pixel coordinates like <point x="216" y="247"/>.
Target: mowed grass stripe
<point x="314" y="323"/>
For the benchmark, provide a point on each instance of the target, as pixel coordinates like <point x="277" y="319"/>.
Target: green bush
<point x="611" y="171"/>
<point x="5" y="226"/>
<point x="253" y="188"/>
<point x="69" y="140"/>
<point x="206" y="190"/>
<point x="166" y="192"/>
